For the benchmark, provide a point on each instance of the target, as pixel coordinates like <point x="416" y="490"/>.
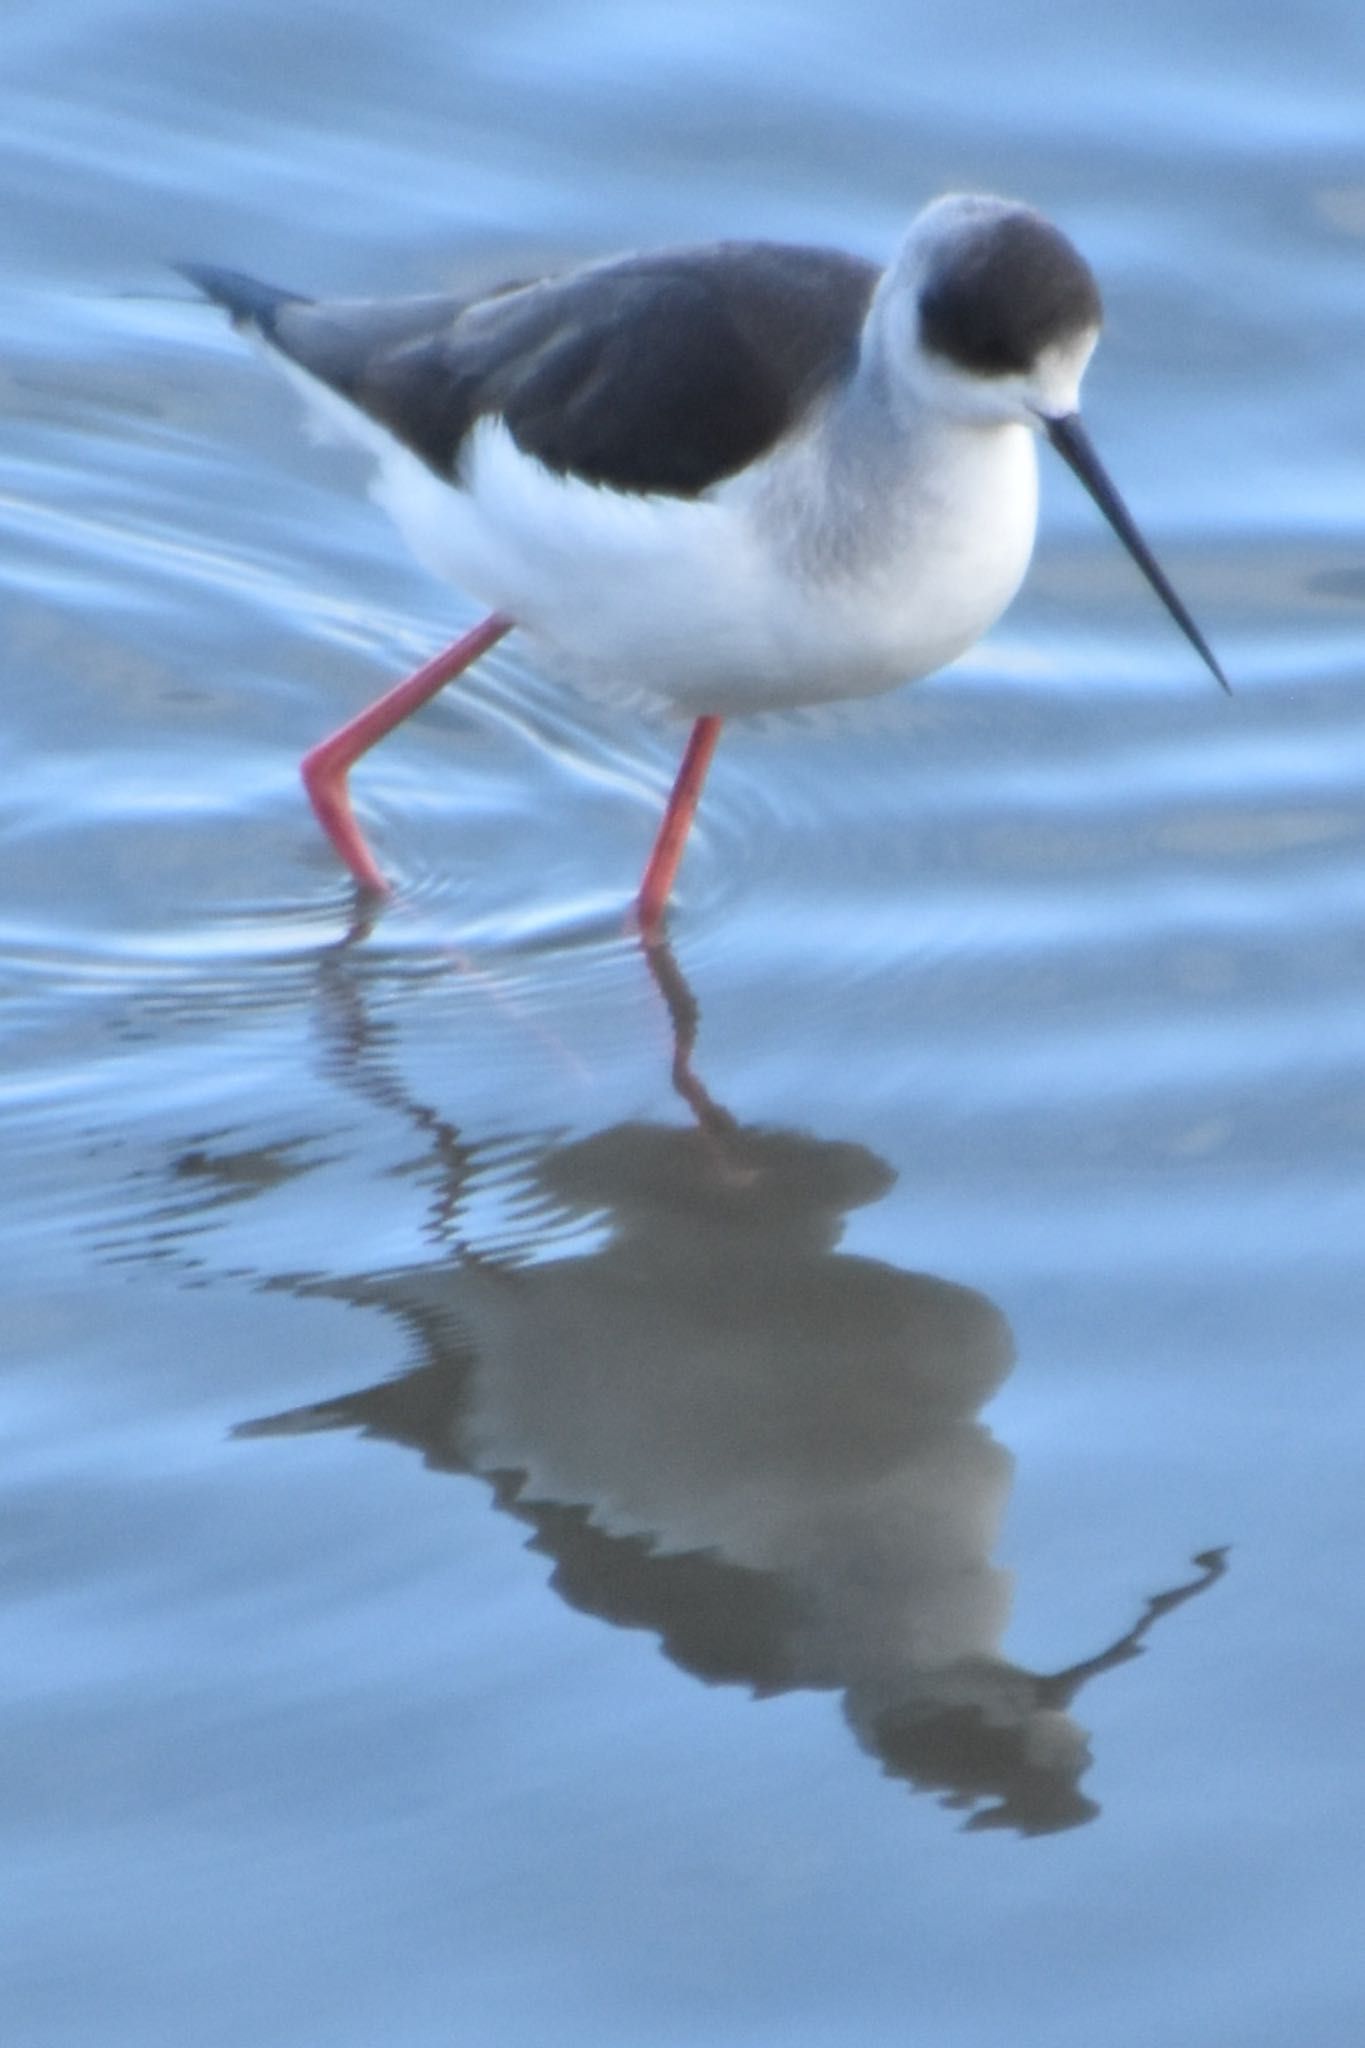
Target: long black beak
<point x="1074" y="445"/>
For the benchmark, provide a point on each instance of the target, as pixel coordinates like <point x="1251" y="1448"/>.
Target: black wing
<point x="652" y="373"/>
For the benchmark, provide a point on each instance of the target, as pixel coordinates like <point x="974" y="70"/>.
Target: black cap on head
<point x="1001" y="290"/>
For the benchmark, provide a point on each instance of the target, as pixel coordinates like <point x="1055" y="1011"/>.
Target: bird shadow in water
<point x="721" y="1428"/>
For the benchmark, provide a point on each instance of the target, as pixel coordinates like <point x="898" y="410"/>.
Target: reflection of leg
<point x="683" y="1016"/>
<point x="325" y="769"/>
<point x="682" y="804"/>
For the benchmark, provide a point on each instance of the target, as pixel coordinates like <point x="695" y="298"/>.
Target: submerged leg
<point x="682" y="804"/>
<point x="325" y="768"/>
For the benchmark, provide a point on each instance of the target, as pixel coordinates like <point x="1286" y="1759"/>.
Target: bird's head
<point x="992" y="317"/>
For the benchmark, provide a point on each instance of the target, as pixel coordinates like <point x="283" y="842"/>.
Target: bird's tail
<point x="246" y="299"/>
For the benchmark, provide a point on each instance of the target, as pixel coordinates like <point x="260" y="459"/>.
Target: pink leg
<point x="668" y="847"/>
<point x="325" y="768"/>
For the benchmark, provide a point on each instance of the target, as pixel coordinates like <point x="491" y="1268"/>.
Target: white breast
<point x="792" y="584"/>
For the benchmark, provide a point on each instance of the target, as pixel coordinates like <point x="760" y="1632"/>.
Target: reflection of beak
<point x="1073" y="444"/>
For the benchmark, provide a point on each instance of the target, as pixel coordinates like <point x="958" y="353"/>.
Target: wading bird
<point x="732" y="478"/>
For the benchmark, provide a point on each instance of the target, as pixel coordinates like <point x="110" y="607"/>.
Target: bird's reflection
<point x="722" y="1428"/>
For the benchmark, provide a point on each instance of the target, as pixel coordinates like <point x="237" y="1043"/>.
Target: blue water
<point x="859" y="1545"/>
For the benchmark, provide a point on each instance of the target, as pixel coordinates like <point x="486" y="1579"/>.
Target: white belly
<point x="755" y="597"/>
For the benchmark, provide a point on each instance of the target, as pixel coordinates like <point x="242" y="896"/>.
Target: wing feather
<point x="660" y="373"/>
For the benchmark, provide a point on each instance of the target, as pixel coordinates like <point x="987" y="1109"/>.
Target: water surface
<point x="805" y="1486"/>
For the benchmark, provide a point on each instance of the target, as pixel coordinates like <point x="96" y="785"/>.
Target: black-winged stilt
<point x="730" y="478"/>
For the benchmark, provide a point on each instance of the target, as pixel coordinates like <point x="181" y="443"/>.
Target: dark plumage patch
<point x="1003" y="292"/>
<point x="658" y="373"/>
<point x="251" y="302"/>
